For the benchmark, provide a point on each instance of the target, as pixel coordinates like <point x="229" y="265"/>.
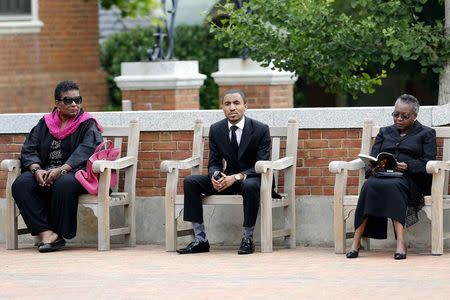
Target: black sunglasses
<point x="398" y="115"/>
<point x="68" y="100"/>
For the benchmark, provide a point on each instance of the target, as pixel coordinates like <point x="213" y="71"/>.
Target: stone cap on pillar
<point x="234" y="71"/>
<point x="159" y="75"/>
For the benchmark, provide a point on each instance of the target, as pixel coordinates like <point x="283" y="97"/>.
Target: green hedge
<point x="191" y="43"/>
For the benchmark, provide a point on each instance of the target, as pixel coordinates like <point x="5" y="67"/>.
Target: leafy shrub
<point x="121" y="47"/>
<point x="191" y="43"/>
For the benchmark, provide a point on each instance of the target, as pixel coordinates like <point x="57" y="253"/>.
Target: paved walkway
<point x="147" y="272"/>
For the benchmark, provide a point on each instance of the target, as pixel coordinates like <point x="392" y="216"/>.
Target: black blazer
<point x="255" y="145"/>
<point x="415" y="149"/>
<point x="76" y="148"/>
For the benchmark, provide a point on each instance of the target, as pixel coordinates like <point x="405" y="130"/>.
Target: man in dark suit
<point x="236" y="143"/>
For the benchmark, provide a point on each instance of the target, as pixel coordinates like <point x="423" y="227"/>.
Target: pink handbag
<point x="89" y="179"/>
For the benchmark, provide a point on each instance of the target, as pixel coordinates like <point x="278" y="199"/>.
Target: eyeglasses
<point x="69" y="100"/>
<point x="398" y="115"/>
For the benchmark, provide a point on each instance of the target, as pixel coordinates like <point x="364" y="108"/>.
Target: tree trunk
<point x="444" y="78"/>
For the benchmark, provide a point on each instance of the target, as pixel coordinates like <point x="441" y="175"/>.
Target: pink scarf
<point x="53" y="122"/>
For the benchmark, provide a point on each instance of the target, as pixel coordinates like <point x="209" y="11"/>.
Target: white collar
<point x="239" y="124"/>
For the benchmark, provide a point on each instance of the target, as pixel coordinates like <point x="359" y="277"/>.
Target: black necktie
<point x="234" y="143"/>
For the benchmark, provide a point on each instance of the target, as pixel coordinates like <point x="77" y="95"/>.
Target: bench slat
<point x="115" y="200"/>
<point x="112" y="131"/>
<point x="229" y="200"/>
<point x="119" y="231"/>
<point x="281" y="232"/>
<point x="185" y="232"/>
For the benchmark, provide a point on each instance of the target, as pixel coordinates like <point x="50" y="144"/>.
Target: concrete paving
<point x="148" y="272"/>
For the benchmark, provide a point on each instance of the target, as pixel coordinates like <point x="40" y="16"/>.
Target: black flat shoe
<point x="247" y="247"/>
<point x="58" y="244"/>
<point x="195" y="247"/>
<point x="398" y="256"/>
<point x="352" y="253"/>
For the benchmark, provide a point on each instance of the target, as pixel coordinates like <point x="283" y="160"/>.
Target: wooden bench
<point x="434" y="204"/>
<point x="287" y="165"/>
<point x="101" y="203"/>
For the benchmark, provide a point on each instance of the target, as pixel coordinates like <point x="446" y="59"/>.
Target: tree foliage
<point x="347" y="46"/>
<point x="132" y="8"/>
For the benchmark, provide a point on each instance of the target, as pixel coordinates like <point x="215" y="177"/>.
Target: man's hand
<point x="223" y="183"/>
<point x="217" y="183"/>
<point x="402" y="167"/>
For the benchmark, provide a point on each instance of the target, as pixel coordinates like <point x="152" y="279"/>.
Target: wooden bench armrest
<point x="338" y="165"/>
<point x="168" y="165"/>
<point x="10" y="164"/>
<point x="124" y="162"/>
<point x="433" y="166"/>
<point x="262" y="166"/>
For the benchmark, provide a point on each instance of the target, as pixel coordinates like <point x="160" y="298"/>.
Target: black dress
<point x="397" y="198"/>
<point x="55" y="207"/>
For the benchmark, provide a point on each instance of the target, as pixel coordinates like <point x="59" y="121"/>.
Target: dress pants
<point x="48" y="208"/>
<point x="197" y="185"/>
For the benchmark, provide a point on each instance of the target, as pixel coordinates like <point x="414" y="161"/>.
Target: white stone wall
<point x="309" y="118"/>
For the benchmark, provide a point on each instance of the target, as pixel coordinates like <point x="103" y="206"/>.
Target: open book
<point x="384" y="161"/>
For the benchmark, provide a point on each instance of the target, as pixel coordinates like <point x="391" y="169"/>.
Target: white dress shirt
<point x="239" y="131"/>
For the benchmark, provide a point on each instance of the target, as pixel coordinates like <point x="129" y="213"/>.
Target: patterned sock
<point x="248" y="232"/>
<point x="199" y="232"/>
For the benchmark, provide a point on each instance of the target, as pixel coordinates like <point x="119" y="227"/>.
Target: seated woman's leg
<point x="64" y="205"/>
<point x="356" y="244"/>
<point x="399" y="232"/>
<point x="33" y="202"/>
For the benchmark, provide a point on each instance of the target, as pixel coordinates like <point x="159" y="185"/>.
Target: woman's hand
<point x="40" y="177"/>
<point x="402" y="167"/>
<point x="51" y="175"/>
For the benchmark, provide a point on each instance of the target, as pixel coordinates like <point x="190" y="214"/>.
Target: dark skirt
<point x="380" y="199"/>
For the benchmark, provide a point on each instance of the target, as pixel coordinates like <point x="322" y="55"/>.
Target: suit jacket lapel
<point x="246" y="136"/>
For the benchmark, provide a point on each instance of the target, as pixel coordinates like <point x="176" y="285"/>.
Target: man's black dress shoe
<point x="399" y="255"/>
<point x="352" y="254"/>
<point x="247" y="246"/>
<point x="58" y="244"/>
<point x="195" y="247"/>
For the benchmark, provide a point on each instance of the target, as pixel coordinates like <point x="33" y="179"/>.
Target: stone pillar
<point x="264" y="87"/>
<point x="161" y="85"/>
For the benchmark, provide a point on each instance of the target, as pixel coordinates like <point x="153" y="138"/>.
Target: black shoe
<point x="398" y="256"/>
<point x="352" y="254"/>
<point x="247" y="246"/>
<point x="58" y="244"/>
<point x="195" y="247"/>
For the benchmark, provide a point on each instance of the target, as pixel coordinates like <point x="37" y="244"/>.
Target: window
<point x="19" y="16"/>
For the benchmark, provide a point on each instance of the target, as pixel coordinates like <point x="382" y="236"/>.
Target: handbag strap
<point x="107" y="144"/>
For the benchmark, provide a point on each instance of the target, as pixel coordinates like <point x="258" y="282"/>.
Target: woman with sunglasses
<point x="47" y="191"/>
<point x="398" y="198"/>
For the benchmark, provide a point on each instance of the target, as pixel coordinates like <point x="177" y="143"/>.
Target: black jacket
<point x="415" y="149"/>
<point x="255" y="145"/>
<point x="77" y="148"/>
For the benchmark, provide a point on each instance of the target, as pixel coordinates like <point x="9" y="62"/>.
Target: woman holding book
<point x="398" y="193"/>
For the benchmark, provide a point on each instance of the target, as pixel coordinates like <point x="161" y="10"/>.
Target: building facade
<point x="44" y="42"/>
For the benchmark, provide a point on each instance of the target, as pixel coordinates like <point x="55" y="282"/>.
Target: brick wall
<point x="173" y="99"/>
<point x="316" y="149"/>
<point x="66" y="48"/>
<point x="264" y="96"/>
